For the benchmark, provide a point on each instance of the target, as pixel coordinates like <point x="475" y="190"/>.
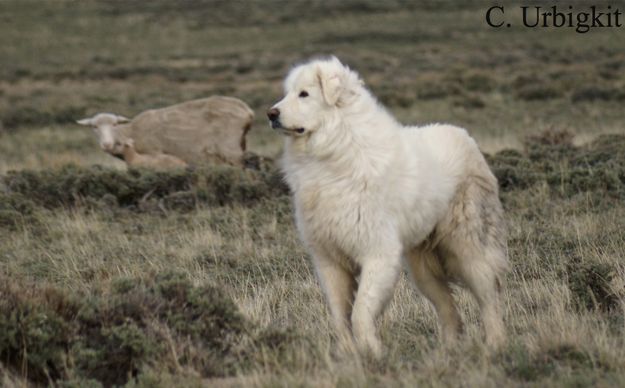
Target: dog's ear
<point x="330" y="81"/>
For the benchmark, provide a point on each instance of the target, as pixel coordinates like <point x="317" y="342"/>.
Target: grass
<point x="137" y="278"/>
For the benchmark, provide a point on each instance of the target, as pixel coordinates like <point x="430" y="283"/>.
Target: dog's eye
<point x="303" y="94"/>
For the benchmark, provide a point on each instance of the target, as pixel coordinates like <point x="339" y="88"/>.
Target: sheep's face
<point x="104" y="126"/>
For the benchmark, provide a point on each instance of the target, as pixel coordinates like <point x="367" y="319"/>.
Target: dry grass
<point x="563" y="299"/>
<point x="264" y="270"/>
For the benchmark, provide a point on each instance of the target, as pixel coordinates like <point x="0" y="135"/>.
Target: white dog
<point x="371" y="194"/>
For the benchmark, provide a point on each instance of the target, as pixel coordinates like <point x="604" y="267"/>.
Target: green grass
<point x="89" y="255"/>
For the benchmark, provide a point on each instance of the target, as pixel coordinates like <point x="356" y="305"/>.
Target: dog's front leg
<point x="377" y="282"/>
<point x="338" y="284"/>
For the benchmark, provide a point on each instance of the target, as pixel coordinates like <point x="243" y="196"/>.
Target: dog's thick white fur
<point x="372" y="195"/>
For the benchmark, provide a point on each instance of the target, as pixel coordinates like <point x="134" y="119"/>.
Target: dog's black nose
<point x="273" y="114"/>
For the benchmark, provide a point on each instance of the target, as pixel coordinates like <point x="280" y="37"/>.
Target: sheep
<point x="103" y="125"/>
<point x="208" y="130"/>
<point x="158" y="161"/>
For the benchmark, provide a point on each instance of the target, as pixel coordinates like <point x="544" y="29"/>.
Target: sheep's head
<point x="105" y="127"/>
<point x="127" y="145"/>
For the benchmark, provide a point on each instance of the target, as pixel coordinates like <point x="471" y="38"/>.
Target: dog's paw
<point x="370" y="346"/>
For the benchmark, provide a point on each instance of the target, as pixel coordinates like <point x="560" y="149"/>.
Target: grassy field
<point x="197" y="278"/>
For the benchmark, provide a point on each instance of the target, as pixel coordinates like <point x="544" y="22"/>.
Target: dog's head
<point x="314" y="91"/>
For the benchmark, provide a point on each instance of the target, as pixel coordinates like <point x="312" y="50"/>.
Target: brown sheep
<point x="156" y="161"/>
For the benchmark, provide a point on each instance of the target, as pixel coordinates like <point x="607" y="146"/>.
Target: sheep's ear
<point x="121" y="119"/>
<point x="84" y="122"/>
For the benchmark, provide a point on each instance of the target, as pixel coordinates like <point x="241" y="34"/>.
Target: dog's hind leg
<point x="478" y="267"/>
<point x="428" y="277"/>
<point x="483" y="282"/>
<point x="474" y="248"/>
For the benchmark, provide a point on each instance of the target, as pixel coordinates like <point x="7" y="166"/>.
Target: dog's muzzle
<point x="276" y="124"/>
<point x="273" y="115"/>
<point x="287" y="131"/>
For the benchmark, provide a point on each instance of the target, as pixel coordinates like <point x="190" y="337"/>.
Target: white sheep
<point x="104" y="125"/>
<point x="208" y="130"/>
